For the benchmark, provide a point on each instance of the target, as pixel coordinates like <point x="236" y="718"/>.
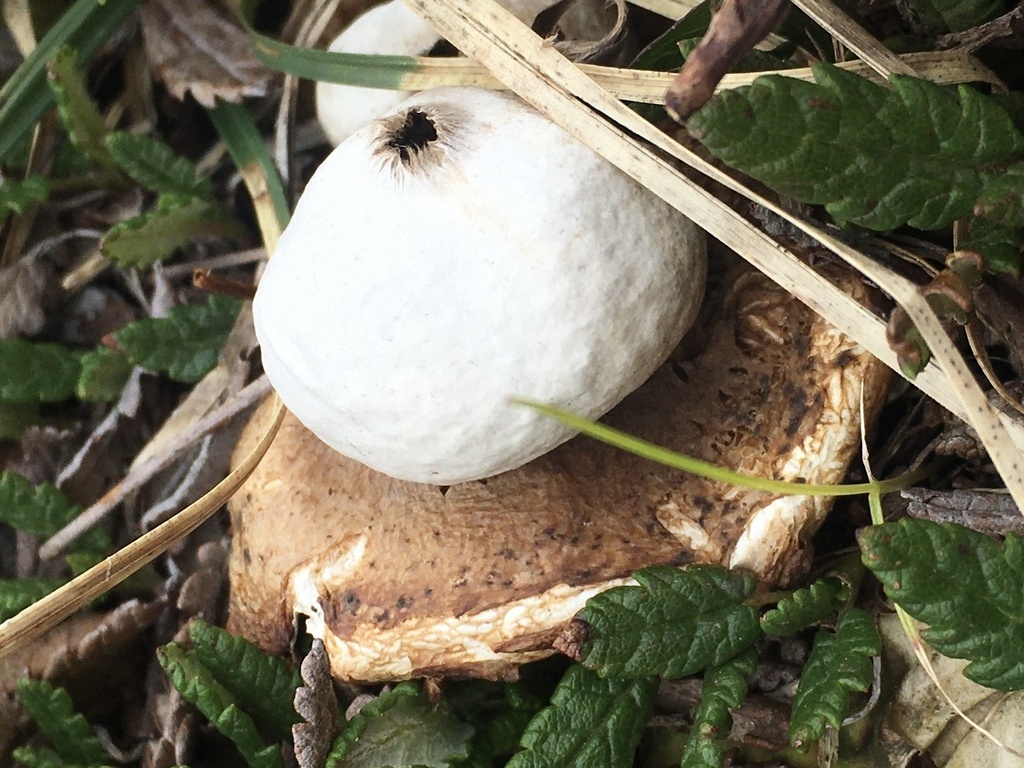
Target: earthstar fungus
<point x="404" y="579"/>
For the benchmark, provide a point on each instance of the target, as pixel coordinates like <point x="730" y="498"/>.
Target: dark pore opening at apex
<point x="416" y="132"/>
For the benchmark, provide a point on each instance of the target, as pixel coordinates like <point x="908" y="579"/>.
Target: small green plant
<point x="184" y="344"/>
<point x="41" y="511"/>
<point x="675" y="623"/>
<point x="75" y="744"/>
<point x="964" y="585"/>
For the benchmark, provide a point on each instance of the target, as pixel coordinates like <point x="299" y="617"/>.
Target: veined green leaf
<point x="153" y="236"/>
<point x="1002" y="199"/>
<point x="42" y="511"/>
<point x="261" y="683"/>
<point x="79" y="114"/>
<point x="104" y="374"/>
<point x="724" y="688"/>
<point x="918" y="153"/>
<point x="664" y="53"/>
<point x="52" y="710"/>
<point x="37" y="372"/>
<point x="32" y="757"/>
<point x="840" y="662"/>
<point x="410" y="732"/>
<point x="39" y="510"/>
<point x="198" y="686"/>
<point x="804" y="607"/>
<point x="18" y="594"/>
<point x="19" y="196"/>
<point x="85" y="26"/>
<point x="955" y="15"/>
<point x="676" y="623"/>
<point x="355" y="727"/>
<point x="592" y="722"/>
<point x="998" y="244"/>
<point x="155" y="165"/>
<point x="498" y="713"/>
<point x="185" y="344"/>
<point x="966" y="587"/>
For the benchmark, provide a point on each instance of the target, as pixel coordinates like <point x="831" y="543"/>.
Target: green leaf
<point x="19" y="196"/>
<point x="592" y="722"/>
<point x="955" y="15"/>
<point x="153" y="236"/>
<point x="199" y="687"/>
<point x="724" y="688"/>
<point x="31" y="757"/>
<point x="15" y="418"/>
<point x="52" y="710"/>
<point x="37" y="372"/>
<point x="968" y="588"/>
<point x="104" y="374"/>
<point x="1001" y="246"/>
<point x="410" y="732"/>
<point x="839" y="663"/>
<point x="18" y="594"/>
<point x="85" y="26"/>
<point x="919" y="153"/>
<point x="155" y="165"/>
<point x="79" y="114"/>
<point x="804" y="607"/>
<point x="359" y="722"/>
<point x="262" y="683"/>
<point x="185" y="344"/>
<point x="39" y="510"/>
<point x="355" y="727"/>
<point x="1002" y="199"/>
<point x="498" y="713"/>
<point x="676" y="623"/>
<point x="664" y="54"/>
<point x="42" y="511"/>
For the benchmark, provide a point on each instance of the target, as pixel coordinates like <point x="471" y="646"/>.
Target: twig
<point x="224" y="261"/>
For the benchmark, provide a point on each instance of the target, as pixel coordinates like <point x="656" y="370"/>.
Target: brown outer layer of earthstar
<point x="403" y="580"/>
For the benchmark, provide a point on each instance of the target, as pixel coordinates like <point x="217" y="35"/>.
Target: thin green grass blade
<point x="26" y="97"/>
<point x="695" y="466"/>
<point x="366" y="70"/>
<point x="245" y="144"/>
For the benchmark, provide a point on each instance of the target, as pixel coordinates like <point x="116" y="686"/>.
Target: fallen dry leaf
<point x="22" y="287"/>
<point x="194" y="49"/>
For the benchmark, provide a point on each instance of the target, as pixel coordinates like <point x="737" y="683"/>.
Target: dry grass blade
<point x="543" y="77"/>
<point x="851" y="34"/>
<point x="647" y="87"/>
<point x="58" y="605"/>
